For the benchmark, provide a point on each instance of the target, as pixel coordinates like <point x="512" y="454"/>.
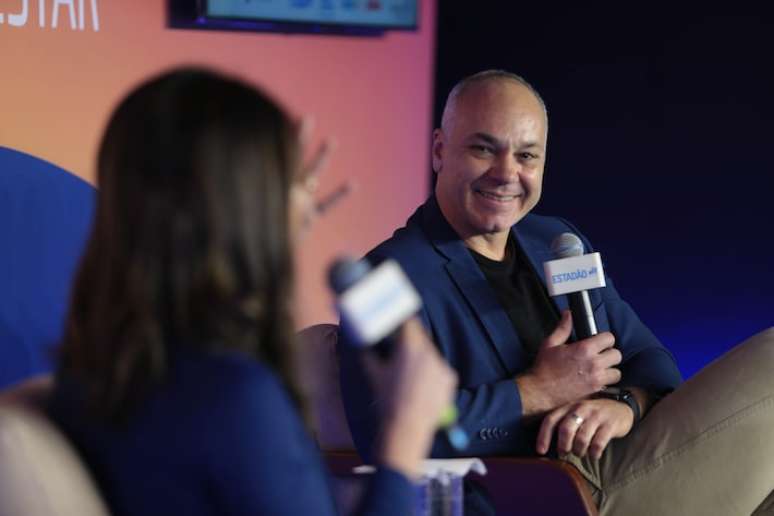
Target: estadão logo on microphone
<point x="574" y="275"/>
<point x="77" y="12"/>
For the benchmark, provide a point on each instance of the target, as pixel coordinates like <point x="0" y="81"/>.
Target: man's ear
<point x="437" y="150"/>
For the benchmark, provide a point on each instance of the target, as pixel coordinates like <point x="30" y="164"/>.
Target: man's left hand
<point x="585" y="427"/>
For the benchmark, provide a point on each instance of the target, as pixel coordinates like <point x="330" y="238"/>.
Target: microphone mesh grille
<point x="567" y="245"/>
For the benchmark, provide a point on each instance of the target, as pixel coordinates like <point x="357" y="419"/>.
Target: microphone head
<point x="345" y="272"/>
<point x="567" y="245"/>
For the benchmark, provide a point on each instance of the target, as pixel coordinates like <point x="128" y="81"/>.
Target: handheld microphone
<point x="574" y="273"/>
<point x="373" y="304"/>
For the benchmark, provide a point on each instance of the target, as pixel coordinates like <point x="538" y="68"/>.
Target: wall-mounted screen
<point x="310" y="14"/>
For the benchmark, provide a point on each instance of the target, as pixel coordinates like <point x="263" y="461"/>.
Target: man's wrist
<point x="534" y="400"/>
<point x="623" y="395"/>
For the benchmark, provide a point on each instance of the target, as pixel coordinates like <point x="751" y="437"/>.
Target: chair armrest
<point x="537" y="486"/>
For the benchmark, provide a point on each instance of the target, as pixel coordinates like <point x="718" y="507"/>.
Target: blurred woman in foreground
<point x="175" y="378"/>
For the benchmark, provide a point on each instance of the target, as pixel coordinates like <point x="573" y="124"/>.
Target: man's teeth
<point x="495" y="197"/>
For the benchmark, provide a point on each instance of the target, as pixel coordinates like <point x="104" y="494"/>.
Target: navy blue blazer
<point x="220" y="437"/>
<point x="474" y="334"/>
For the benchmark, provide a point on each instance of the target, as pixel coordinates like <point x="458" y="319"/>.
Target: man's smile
<point x="497" y="197"/>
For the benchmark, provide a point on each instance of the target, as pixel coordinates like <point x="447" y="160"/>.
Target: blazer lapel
<point x="473" y="286"/>
<point x="538" y="253"/>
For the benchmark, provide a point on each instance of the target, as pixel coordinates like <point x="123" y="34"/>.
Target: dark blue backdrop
<point x="658" y="150"/>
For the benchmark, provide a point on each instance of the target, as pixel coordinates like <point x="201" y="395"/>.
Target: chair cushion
<point x="40" y="472"/>
<point x="319" y="375"/>
<point x="45" y="218"/>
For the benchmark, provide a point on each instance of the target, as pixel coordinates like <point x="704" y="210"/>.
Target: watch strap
<point x="624" y="396"/>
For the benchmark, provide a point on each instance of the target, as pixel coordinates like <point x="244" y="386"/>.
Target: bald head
<point x="482" y="79"/>
<point x="489" y="156"/>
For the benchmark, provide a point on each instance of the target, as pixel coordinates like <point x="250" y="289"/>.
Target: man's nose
<point x="507" y="168"/>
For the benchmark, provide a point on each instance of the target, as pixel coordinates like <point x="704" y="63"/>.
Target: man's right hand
<point x="564" y="372"/>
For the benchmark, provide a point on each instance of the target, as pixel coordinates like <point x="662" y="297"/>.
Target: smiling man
<point x="475" y="252"/>
<point x="489" y="155"/>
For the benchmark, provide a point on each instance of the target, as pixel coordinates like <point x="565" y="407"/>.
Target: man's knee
<point x="754" y="359"/>
<point x="768" y="334"/>
<point x="762" y="346"/>
<point x="739" y="378"/>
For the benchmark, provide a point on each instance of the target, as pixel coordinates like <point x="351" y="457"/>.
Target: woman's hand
<point x="415" y="386"/>
<point x="304" y="208"/>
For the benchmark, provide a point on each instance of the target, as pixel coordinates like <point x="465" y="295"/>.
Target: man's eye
<point x="481" y="149"/>
<point x="527" y="156"/>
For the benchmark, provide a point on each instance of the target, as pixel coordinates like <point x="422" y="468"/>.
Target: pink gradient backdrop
<point x="374" y="95"/>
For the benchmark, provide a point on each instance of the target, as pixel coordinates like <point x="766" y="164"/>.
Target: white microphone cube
<point x="574" y="274"/>
<point x="378" y="304"/>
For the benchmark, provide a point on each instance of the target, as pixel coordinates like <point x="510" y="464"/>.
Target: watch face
<point x="615" y="393"/>
<point x="624" y="396"/>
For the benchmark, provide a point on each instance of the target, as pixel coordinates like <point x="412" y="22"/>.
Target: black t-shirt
<point x="521" y="293"/>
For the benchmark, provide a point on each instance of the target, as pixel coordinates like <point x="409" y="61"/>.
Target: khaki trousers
<point x="706" y="449"/>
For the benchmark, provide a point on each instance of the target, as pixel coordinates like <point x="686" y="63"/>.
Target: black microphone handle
<point x="582" y="315"/>
<point x="385" y="347"/>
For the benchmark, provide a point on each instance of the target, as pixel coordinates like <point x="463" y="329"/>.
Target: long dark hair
<point x="190" y="245"/>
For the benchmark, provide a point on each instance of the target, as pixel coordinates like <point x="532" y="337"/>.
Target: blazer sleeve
<point x="266" y="463"/>
<point x="646" y="363"/>
<point x="489" y="412"/>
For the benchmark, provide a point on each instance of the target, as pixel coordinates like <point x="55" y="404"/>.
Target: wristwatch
<point x="624" y="396"/>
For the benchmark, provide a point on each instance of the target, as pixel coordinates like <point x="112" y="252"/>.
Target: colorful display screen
<point x="390" y="14"/>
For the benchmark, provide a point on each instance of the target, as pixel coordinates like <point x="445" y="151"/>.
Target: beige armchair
<point x="517" y="485"/>
<point x="40" y="472"/>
